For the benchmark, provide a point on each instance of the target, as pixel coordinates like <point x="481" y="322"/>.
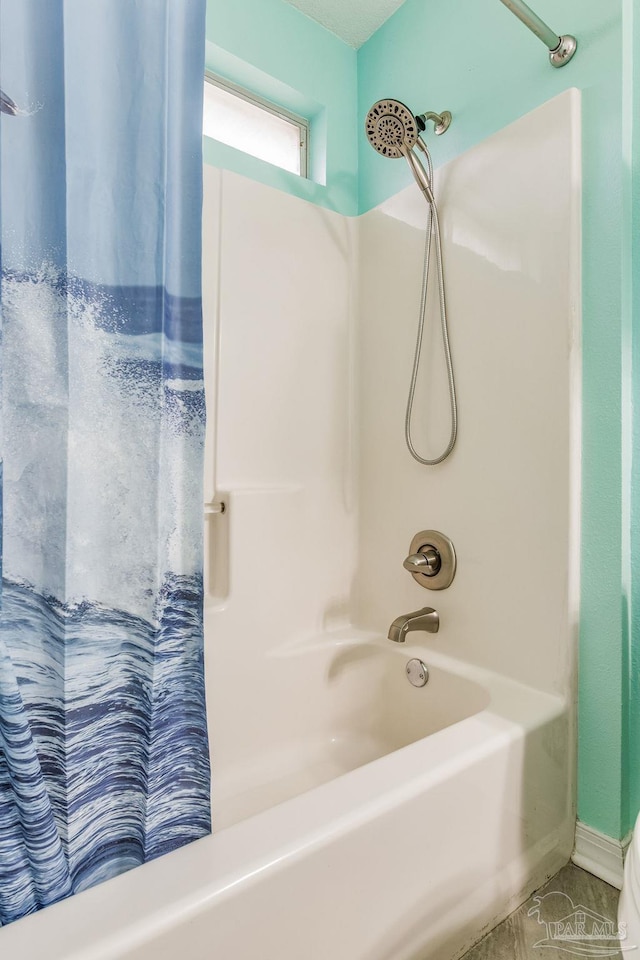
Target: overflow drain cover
<point x="417" y="672"/>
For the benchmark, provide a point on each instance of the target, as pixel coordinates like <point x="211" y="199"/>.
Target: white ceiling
<point x="352" y="20"/>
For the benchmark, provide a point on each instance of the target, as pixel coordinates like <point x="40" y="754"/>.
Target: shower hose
<point x="432" y="231"/>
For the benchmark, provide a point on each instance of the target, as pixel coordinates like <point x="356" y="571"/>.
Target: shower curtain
<point x="103" y="742"/>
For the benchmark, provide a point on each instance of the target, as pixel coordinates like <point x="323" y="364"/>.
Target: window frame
<point x="269" y="107"/>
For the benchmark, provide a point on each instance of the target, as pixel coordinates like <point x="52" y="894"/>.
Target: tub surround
<point x="337" y="468"/>
<point x="509" y="494"/>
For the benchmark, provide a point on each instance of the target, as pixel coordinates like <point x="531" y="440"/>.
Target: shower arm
<point x="561" y="49"/>
<point x="441" y="121"/>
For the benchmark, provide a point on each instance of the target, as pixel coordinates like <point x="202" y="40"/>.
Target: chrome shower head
<point x="391" y="128"/>
<point x="394" y="131"/>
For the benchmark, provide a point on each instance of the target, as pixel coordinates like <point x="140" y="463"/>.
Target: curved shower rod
<point x="561" y="49"/>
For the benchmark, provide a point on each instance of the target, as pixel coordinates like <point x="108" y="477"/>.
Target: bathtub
<point x="387" y="822"/>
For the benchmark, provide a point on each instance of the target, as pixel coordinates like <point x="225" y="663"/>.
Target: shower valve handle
<point x="426" y="561"/>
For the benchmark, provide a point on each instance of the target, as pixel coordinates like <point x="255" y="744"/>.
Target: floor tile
<point x="523" y="935"/>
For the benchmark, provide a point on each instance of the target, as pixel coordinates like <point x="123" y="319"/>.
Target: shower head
<point x="391" y="128"/>
<point x="394" y="131"/>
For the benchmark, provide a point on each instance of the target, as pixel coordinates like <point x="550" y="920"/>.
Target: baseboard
<point x="599" y="854"/>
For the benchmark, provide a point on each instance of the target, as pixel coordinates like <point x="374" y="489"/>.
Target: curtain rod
<point x="561" y="48"/>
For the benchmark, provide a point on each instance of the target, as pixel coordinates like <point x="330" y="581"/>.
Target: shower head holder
<point x="441" y="121"/>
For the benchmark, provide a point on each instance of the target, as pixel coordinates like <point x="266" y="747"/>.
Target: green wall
<point x="274" y="50"/>
<point x="475" y="59"/>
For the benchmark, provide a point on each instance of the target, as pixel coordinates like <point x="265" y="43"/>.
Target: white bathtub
<point x="428" y="814"/>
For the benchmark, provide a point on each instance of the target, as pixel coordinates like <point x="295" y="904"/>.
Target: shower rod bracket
<point x="441" y="121"/>
<point x="564" y="51"/>
<point x="561" y="48"/>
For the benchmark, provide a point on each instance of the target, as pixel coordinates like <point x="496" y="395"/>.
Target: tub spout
<point x="425" y="619"/>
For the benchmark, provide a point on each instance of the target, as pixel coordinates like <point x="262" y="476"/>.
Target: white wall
<point x="508" y="495"/>
<point x="280" y="277"/>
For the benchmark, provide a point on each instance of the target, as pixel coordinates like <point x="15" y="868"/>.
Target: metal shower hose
<point x="433" y="228"/>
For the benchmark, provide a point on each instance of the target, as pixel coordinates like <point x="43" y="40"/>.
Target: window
<point x="243" y="120"/>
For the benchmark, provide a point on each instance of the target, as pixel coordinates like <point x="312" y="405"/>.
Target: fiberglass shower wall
<point x="279" y="341"/>
<point x="509" y="494"/>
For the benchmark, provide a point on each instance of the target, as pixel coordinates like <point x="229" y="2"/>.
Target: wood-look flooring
<point x="516" y="937"/>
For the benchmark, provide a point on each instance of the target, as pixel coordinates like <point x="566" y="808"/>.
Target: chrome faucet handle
<point x="432" y="560"/>
<point x="426" y="561"/>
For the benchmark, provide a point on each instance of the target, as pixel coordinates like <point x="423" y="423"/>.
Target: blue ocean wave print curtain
<point x="103" y="742"/>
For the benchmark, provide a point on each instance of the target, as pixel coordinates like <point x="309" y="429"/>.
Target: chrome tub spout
<point x="425" y="619"/>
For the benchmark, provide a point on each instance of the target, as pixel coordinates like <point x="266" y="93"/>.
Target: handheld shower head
<point x="393" y="131"/>
<point x="390" y="127"/>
